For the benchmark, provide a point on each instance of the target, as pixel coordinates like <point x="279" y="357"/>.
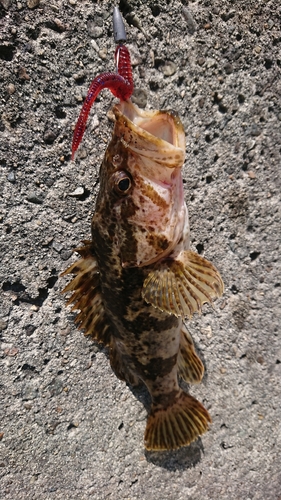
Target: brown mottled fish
<point x="137" y="279"/>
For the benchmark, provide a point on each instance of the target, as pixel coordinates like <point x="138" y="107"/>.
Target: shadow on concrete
<point x="182" y="459"/>
<point x="141" y="393"/>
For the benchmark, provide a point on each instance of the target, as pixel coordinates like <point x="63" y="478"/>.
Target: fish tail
<point x="169" y="428"/>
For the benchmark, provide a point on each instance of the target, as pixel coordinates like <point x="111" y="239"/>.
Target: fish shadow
<point x="182" y="459"/>
<point x="141" y="393"/>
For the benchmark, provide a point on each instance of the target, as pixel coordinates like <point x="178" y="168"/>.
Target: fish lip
<point x="137" y="131"/>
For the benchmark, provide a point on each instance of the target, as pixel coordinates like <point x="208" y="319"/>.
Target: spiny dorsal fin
<point x="181" y="286"/>
<point x="87" y="295"/>
<point x="190" y="366"/>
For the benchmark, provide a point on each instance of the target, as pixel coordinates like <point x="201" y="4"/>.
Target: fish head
<point x="141" y="190"/>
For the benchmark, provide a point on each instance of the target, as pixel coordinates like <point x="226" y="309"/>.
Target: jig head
<point x="120" y="83"/>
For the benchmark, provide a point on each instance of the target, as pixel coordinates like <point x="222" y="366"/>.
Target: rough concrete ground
<point x="69" y="428"/>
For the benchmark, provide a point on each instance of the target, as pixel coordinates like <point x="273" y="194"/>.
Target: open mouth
<point x="157" y="135"/>
<point x="161" y="126"/>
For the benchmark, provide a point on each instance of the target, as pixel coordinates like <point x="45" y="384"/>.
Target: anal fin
<point x="120" y="368"/>
<point x="181" y="285"/>
<point x="86" y="295"/>
<point x="190" y="366"/>
<point x="177" y="425"/>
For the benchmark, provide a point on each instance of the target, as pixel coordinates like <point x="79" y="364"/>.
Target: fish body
<point x="137" y="279"/>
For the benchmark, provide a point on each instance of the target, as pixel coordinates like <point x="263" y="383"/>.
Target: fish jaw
<point x="149" y="146"/>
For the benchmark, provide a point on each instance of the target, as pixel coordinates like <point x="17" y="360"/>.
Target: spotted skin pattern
<point x="137" y="279"/>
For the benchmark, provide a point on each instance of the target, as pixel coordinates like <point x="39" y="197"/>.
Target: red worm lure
<point x="120" y="83"/>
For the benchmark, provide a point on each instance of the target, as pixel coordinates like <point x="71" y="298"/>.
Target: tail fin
<point x="176" y="426"/>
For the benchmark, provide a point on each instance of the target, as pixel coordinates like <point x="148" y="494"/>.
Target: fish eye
<point x="122" y="182"/>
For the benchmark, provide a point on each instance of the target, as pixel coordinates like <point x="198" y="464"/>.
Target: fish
<point x="137" y="281"/>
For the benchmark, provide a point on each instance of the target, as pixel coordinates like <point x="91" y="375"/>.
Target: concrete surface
<point x="69" y="428"/>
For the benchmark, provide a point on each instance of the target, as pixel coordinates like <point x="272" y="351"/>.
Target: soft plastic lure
<point x="120" y="83"/>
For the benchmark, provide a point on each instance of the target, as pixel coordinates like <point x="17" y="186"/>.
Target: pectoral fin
<point x="87" y="296"/>
<point x="181" y="286"/>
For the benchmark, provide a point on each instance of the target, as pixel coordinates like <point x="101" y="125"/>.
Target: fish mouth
<point x="158" y="135"/>
<point x="162" y="126"/>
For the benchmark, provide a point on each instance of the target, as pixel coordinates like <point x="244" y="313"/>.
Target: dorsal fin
<point x="182" y="285"/>
<point x="87" y="295"/>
